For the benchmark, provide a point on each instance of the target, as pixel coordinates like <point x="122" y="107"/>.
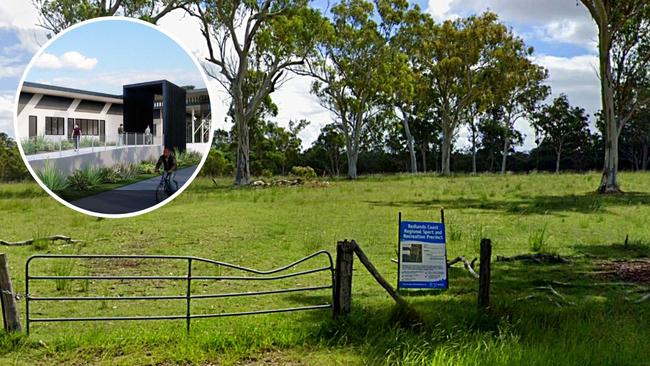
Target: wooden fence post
<point x="343" y="277"/>
<point x="8" y="299"/>
<point x="484" y="275"/>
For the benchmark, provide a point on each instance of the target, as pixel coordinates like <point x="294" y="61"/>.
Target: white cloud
<point x="295" y="102"/>
<point x="440" y="9"/>
<point x="579" y="33"/>
<point x="69" y="60"/>
<point x="553" y="20"/>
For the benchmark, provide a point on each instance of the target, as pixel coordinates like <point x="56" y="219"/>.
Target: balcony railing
<point x="52" y="145"/>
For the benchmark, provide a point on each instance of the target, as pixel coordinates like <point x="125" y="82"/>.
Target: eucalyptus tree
<point x="352" y="70"/>
<point x="516" y="85"/>
<point x="56" y="15"/>
<point x="457" y="57"/>
<point x="624" y="68"/>
<point x="402" y="27"/>
<point x="559" y="124"/>
<point x="254" y="42"/>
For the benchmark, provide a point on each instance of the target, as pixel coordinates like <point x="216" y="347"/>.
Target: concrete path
<point x="130" y="198"/>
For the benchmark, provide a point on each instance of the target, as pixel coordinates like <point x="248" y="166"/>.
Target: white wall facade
<point x="112" y="121"/>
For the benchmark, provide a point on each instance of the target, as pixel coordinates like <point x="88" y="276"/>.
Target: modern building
<point x="178" y="117"/>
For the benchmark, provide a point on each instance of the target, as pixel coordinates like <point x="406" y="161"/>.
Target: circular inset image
<point x="113" y="117"/>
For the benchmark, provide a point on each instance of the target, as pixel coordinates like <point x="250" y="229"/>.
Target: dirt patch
<point x="629" y="271"/>
<point x="268" y="359"/>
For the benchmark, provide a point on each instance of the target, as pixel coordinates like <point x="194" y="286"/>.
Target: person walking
<point x="147" y="135"/>
<point x="76" y="135"/>
<point x="120" y="134"/>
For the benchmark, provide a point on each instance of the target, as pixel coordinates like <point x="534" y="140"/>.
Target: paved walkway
<point x="71" y="152"/>
<point x="130" y="198"/>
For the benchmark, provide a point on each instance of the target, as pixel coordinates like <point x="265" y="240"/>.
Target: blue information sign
<point x="422" y="255"/>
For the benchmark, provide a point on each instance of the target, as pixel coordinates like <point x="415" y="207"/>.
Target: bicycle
<point x="165" y="188"/>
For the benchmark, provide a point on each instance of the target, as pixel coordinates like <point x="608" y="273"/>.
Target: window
<point x="89" y="127"/>
<point x="54" y="125"/>
<point x="33" y="130"/>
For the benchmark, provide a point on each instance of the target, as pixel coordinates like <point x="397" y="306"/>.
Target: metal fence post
<point x="189" y="293"/>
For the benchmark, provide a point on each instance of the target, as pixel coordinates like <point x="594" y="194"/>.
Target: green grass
<point x="598" y="323"/>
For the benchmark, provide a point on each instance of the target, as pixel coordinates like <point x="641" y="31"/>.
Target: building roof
<point x="30" y="87"/>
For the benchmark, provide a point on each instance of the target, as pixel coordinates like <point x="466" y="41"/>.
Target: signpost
<point x="422" y="255"/>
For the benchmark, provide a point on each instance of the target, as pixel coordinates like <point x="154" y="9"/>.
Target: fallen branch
<point x="468" y="266"/>
<point x="551" y="291"/>
<point x="642" y="299"/>
<point x="539" y="258"/>
<point x="31" y="241"/>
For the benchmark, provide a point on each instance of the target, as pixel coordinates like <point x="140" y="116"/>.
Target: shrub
<point x="109" y="175"/>
<point x="85" y="179"/>
<point x="216" y="164"/>
<point x="146" y="167"/>
<point x="127" y="171"/>
<point x="305" y="172"/>
<point x="52" y="178"/>
<point x="185" y="159"/>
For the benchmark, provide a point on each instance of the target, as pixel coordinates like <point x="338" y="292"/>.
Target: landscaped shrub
<point x="305" y="172"/>
<point x="127" y="171"/>
<point x="216" y="164"/>
<point x="109" y="175"/>
<point x="52" y="177"/>
<point x="185" y="159"/>
<point x="146" y="167"/>
<point x="78" y="181"/>
<point x="85" y="179"/>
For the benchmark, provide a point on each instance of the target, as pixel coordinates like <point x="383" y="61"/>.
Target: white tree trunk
<point x="410" y="141"/>
<point x="446" y="153"/>
<point x="504" y="156"/>
<point x="353" y="157"/>
<point x="609" y="181"/>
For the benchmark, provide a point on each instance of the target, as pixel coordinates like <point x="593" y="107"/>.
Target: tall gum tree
<point x="624" y="66"/>
<point x="559" y="124"/>
<point x="516" y="85"/>
<point x="352" y="70"/>
<point x="456" y="57"/>
<point x="264" y="38"/>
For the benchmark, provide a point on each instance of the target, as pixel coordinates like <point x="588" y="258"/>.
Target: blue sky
<point x="102" y="56"/>
<point x="561" y="32"/>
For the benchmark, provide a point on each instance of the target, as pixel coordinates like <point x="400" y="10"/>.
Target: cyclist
<point x="168" y="163"/>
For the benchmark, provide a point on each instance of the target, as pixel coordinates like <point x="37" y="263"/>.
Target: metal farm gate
<point x="187" y="280"/>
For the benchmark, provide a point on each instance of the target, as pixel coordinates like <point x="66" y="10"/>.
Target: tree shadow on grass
<point x="634" y="249"/>
<point x="539" y="303"/>
<point x="534" y="205"/>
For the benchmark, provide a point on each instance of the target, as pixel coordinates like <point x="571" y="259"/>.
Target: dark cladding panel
<point x="54" y="102"/>
<point x="90" y="106"/>
<point x="23" y="99"/>
<point x="139" y="110"/>
<point x="115" y="109"/>
<point x="173" y="113"/>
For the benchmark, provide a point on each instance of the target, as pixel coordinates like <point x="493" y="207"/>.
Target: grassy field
<point x="594" y="320"/>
